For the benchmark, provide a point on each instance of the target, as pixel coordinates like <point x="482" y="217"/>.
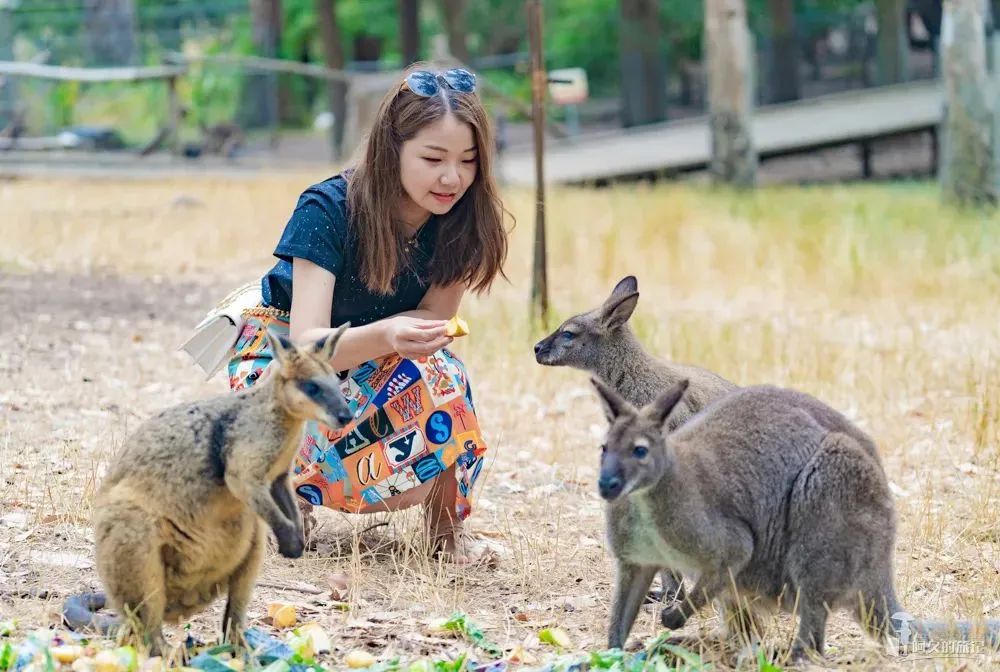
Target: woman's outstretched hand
<point x="413" y="338"/>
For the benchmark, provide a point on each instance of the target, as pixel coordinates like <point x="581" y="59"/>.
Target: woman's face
<point x="437" y="165"/>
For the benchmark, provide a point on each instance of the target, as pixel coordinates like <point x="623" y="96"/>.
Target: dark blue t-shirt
<point x="319" y="230"/>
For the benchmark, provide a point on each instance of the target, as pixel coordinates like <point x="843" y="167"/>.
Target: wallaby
<point x="177" y="520"/>
<point x="601" y="342"/>
<point x="769" y="497"/>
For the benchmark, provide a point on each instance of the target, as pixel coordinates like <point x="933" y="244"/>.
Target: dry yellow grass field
<point x="875" y="299"/>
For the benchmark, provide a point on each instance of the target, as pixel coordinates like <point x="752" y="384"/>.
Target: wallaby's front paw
<point x="801" y="654"/>
<point x="673" y="618"/>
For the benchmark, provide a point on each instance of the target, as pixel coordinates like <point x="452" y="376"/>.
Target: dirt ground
<point x="90" y="356"/>
<point x="874" y="299"/>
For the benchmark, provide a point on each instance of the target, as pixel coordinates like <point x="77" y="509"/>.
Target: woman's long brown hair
<point x="471" y="240"/>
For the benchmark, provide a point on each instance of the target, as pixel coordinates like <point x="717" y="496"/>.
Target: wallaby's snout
<point x="612" y="479"/>
<point x="310" y="389"/>
<point x="331" y="400"/>
<point x="543" y="352"/>
<point x="584" y="340"/>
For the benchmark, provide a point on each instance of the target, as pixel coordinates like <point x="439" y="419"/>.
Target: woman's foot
<point x="308" y="520"/>
<point x="457" y="546"/>
<point x="445" y="530"/>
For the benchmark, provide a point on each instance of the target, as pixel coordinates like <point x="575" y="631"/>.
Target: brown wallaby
<point x="601" y="342"/>
<point x="178" y="519"/>
<point x="769" y="497"/>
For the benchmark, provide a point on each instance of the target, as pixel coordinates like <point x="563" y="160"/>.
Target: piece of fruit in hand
<point x="456" y="327"/>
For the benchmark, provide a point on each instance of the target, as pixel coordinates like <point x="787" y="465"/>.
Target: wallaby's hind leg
<point x="812" y="627"/>
<point x="241" y="588"/>
<point x="707" y="588"/>
<point x="874" y="610"/>
<point x="672" y="588"/>
<point x="842" y="533"/>
<point x="631" y="584"/>
<point x="740" y="621"/>
<point x="131" y="568"/>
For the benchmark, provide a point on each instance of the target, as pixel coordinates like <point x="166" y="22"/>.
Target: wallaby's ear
<point x="627" y="285"/>
<point x="664" y="404"/>
<point x="326" y="347"/>
<point x="280" y="345"/>
<point x="614" y="405"/>
<point x="616" y="310"/>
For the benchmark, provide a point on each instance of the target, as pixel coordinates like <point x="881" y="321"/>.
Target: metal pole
<point x="539" y="284"/>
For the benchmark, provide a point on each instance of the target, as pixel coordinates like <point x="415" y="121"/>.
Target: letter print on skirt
<point x="413" y="420"/>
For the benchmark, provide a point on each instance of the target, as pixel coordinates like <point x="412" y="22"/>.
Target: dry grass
<point x="875" y="299"/>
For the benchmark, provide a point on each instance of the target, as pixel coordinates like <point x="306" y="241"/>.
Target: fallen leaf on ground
<point x="359" y="659"/>
<point x="282" y="615"/>
<point x="340" y="585"/>
<point x="555" y="637"/>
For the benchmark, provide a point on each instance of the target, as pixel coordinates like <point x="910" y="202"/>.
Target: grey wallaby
<point x="601" y="342"/>
<point x="179" y="518"/>
<point x="770" y="498"/>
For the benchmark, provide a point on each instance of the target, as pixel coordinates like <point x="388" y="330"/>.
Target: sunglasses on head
<point x="427" y="84"/>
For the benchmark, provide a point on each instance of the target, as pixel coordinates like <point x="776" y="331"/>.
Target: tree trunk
<point x="7" y="94"/>
<point x="784" y="52"/>
<point x="892" y="42"/>
<point x="642" y="62"/>
<point x="453" y="14"/>
<point x="333" y="57"/>
<point x="968" y="171"/>
<point x="409" y="30"/>
<point x="111" y="29"/>
<point x="261" y="104"/>
<point x="730" y="92"/>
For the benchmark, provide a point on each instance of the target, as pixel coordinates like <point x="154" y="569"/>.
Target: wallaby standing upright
<point x="601" y="342"/>
<point x="768" y="496"/>
<point x="177" y="520"/>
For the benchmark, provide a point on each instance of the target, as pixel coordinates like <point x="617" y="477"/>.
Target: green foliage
<point x="578" y="33"/>
<point x="63" y="100"/>
<point x="584" y="34"/>
<point x="213" y="93"/>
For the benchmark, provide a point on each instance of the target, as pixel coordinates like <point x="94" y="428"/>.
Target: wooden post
<point x="968" y="173"/>
<point x="730" y="92"/>
<point x="642" y="63"/>
<point x="993" y="66"/>
<point x="173" y="115"/>
<point x="453" y="16"/>
<point x="539" y="283"/>
<point x="891" y="42"/>
<point x="409" y="30"/>
<point x="7" y="95"/>
<point x="333" y="57"/>
<point x="783" y="75"/>
<point x="865" y="150"/>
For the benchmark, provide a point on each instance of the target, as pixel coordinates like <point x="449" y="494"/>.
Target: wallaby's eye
<point x="604" y="448"/>
<point x="567" y="335"/>
<point x="310" y="388"/>
<point x="640" y="452"/>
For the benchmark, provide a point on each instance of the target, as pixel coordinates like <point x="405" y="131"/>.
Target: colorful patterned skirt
<point x="413" y="420"/>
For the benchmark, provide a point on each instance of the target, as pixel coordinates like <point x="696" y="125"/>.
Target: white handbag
<point x="211" y="344"/>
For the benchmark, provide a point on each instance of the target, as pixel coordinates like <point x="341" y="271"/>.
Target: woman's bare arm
<point x="412" y="334"/>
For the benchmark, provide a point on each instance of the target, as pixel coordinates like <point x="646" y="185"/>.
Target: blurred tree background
<point x="643" y="58"/>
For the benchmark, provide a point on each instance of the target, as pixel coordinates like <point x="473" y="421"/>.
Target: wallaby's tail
<point x="919" y="629"/>
<point x="80" y="613"/>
